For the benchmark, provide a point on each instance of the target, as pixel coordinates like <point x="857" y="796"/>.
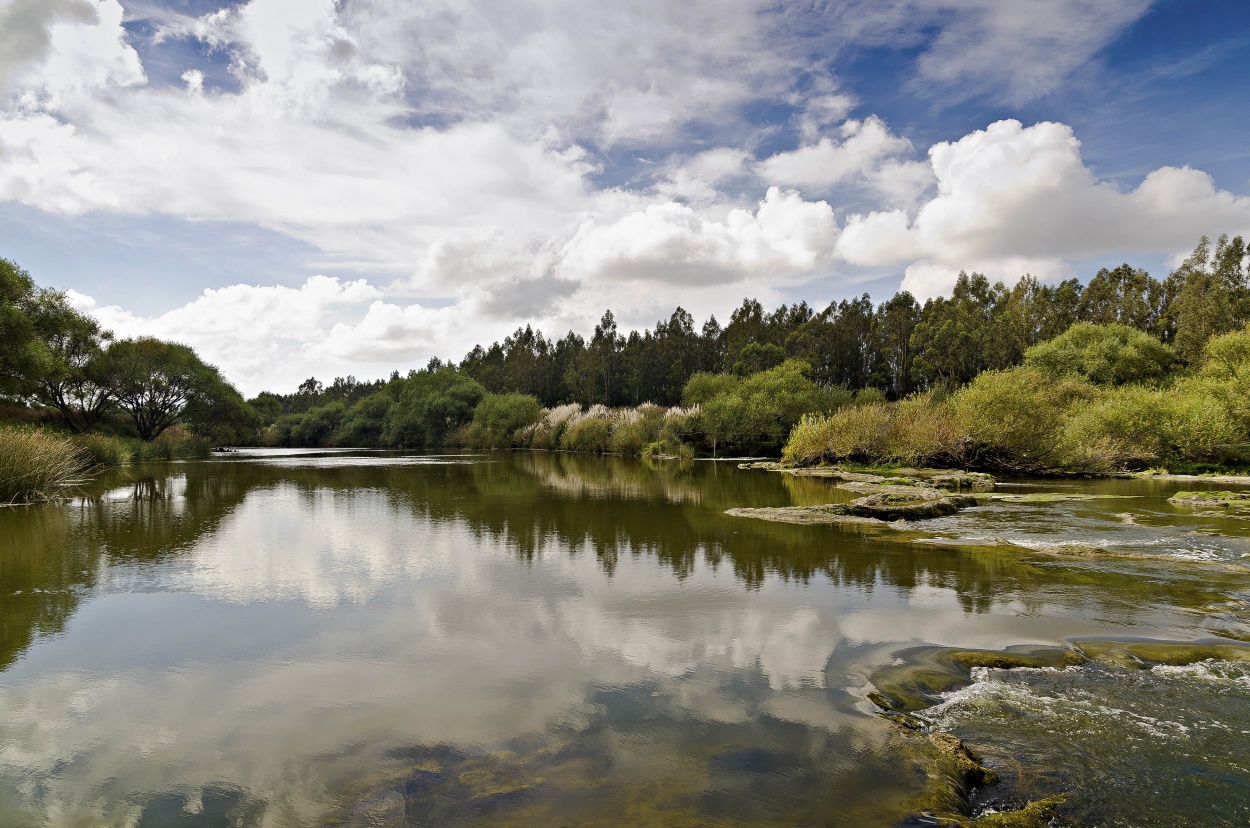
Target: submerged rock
<point x="953" y="480"/>
<point x="1232" y="504"/>
<point x="884" y="505"/>
<point x="833" y="513"/>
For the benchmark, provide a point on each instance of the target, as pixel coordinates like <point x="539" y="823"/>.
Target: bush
<point x="759" y="412"/>
<point x="499" y="417"/>
<point x="431" y="406"/>
<point x="667" y="448"/>
<point x="917" y="431"/>
<point x="1122" y="429"/>
<point x="924" y="431"/>
<point x="1014" y="419"/>
<point x="1103" y="355"/>
<point x="702" y="387"/>
<point x="103" y="452"/>
<point x="591" y="433"/>
<point x="36" y="466"/>
<point x="854" y="433"/>
<point x="175" y="443"/>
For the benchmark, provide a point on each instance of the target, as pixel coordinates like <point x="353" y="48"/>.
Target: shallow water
<point x="373" y="638"/>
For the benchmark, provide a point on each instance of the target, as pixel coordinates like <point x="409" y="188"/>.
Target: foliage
<point x="175" y="443"/>
<point x="102" y="451"/>
<point x="1111" y="354"/>
<point x="919" y="430"/>
<point x="1013" y="419"/>
<point x="704" y="386"/>
<point x="431" y="406"/>
<point x="757" y="413"/>
<point x="155" y="381"/>
<point x="36" y="465"/>
<point x="499" y="417"/>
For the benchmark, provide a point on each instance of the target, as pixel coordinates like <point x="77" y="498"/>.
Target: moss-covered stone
<point x="1237" y="504"/>
<point x="1001" y="660"/>
<point x="833" y="513"/>
<point x="1147" y="654"/>
<point x="1039" y="814"/>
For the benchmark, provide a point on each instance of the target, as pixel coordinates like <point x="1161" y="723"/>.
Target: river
<point x="304" y="638"/>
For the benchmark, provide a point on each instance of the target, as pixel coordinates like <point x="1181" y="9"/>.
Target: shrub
<point x="590" y="433"/>
<point x="761" y="410"/>
<point x="869" y="396"/>
<point x="175" y="443"/>
<point x="36" y="466"/>
<point x="1121" y="429"/>
<point x="103" y="452"/>
<point x="924" y="431"/>
<point x="499" y="417"/>
<point x="431" y="406"/>
<point x="702" y="387"/>
<point x="1014" y="419"/>
<point x="1102" y="354"/>
<point x="854" y="433"/>
<point x="667" y="448"/>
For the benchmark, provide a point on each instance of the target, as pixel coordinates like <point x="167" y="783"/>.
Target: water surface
<point x="372" y="638"/>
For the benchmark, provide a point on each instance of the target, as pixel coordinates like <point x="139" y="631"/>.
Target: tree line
<point x="750" y="379"/>
<point x="894" y="349"/>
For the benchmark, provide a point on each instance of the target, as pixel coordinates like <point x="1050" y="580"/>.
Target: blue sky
<point x="305" y="186"/>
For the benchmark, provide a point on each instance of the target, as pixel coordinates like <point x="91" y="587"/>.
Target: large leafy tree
<point x="50" y="352"/>
<point x="72" y="377"/>
<point x="20" y="351"/>
<point x="155" y="382"/>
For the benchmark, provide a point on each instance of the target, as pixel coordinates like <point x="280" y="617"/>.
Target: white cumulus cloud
<point x="1011" y="196"/>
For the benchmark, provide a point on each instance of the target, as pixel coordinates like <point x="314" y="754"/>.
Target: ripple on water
<point x="1096" y="524"/>
<point x="1163" y="746"/>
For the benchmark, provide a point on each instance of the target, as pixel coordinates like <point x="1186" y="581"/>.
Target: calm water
<point x="365" y="639"/>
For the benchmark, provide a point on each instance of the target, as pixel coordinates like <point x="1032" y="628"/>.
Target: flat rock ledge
<point x="1215" y="504"/>
<point x="952" y="480"/>
<point x="885" y="504"/>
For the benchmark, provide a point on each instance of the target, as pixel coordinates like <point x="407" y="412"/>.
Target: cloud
<point x="1013" y="51"/>
<point x="261" y="336"/>
<point x="1010" y="196"/>
<point x="25" y="36"/>
<point x="53" y="48"/>
<point x="671" y="243"/>
<point x="1021" y="49"/>
<point x="866" y="155"/>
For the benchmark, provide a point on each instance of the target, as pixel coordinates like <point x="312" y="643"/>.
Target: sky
<point x="327" y="188"/>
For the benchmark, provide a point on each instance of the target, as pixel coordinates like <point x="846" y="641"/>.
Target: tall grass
<point x="103" y="452"/>
<point x="36" y="466"/>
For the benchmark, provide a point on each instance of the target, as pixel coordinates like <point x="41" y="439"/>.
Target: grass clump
<point x="173" y="444"/>
<point x="36" y="466"/>
<point x="103" y="452"/>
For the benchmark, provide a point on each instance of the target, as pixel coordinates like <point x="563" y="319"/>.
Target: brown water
<point x="322" y="638"/>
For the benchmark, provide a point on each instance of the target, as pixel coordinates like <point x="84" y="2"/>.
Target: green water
<point x="368" y="639"/>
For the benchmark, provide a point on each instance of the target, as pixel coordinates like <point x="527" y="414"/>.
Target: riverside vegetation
<point x="1126" y="372"/>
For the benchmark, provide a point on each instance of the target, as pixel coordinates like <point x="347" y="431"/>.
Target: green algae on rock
<point x="1231" y="504"/>
<point x="883" y="503"/>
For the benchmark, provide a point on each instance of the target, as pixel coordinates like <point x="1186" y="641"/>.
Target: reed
<point x="36" y="466"/>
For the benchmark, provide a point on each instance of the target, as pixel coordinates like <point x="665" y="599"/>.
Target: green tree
<point x="70" y="374"/>
<point x="1203" y="306"/>
<point x="430" y="406"/>
<point x="154" y="381"/>
<point x="758" y="412"/>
